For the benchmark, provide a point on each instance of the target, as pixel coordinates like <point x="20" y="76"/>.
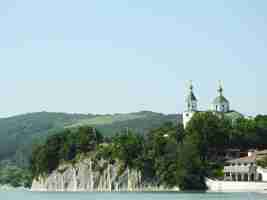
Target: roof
<point x="191" y="97"/>
<point x="233" y="115"/>
<point x="263" y="152"/>
<point x="247" y="159"/>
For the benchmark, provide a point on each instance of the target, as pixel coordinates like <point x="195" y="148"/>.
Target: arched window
<point x="260" y="177"/>
<point x="233" y="177"/>
<point x="239" y="177"/>
<point x="252" y="177"/>
<point x="245" y="177"/>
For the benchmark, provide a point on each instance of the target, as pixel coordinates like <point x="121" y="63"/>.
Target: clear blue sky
<point x="101" y="56"/>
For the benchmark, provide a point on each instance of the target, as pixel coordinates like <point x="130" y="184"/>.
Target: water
<point x="24" y="195"/>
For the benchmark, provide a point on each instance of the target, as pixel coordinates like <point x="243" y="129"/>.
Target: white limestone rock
<point x="82" y="177"/>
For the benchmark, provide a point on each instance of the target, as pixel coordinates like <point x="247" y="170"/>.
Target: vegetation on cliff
<point x="154" y="154"/>
<point x="65" y="146"/>
<point x="169" y="155"/>
<point x="17" y="134"/>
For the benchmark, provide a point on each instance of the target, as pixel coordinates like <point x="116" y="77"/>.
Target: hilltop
<point x="18" y="133"/>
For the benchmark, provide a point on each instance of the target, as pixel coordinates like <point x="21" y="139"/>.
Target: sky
<point x="119" y="56"/>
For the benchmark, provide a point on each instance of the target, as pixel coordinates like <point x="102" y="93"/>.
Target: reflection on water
<point x="25" y="195"/>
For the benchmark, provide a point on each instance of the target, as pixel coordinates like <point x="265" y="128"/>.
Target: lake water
<point x="24" y="195"/>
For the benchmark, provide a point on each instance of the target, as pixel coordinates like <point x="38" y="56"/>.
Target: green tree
<point x="205" y="136"/>
<point x="65" y="145"/>
<point x="128" y="148"/>
<point x="209" y="132"/>
<point x="190" y="172"/>
<point x="160" y="157"/>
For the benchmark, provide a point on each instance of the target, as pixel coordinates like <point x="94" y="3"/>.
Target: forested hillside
<point x="169" y="156"/>
<point x="17" y="134"/>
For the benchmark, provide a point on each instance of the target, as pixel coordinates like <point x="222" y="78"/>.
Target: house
<point x="246" y="168"/>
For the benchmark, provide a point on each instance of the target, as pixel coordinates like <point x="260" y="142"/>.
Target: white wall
<point x="263" y="172"/>
<point x="235" y="186"/>
<point x="187" y="117"/>
<point x="221" y="107"/>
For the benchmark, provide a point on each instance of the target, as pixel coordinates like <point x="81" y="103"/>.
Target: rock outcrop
<point x="86" y="176"/>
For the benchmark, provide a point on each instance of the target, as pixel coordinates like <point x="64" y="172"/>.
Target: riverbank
<point x="10" y="188"/>
<point x="25" y="195"/>
<point x="236" y="186"/>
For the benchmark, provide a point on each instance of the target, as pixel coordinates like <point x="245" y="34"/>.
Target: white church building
<point x="240" y="173"/>
<point x="219" y="105"/>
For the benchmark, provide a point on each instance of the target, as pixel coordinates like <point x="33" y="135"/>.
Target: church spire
<point x="220" y="103"/>
<point x="191" y="100"/>
<point x="190" y="86"/>
<point x="220" y="90"/>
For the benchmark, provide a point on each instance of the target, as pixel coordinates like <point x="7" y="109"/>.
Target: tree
<point x="65" y="145"/>
<point x="128" y="148"/>
<point x="87" y="139"/>
<point x="262" y="162"/>
<point x="209" y="132"/>
<point x="160" y="154"/>
<point x="190" y="172"/>
<point x="205" y="136"/>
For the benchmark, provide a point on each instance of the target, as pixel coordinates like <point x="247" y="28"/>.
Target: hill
<point x="17" y="134"/>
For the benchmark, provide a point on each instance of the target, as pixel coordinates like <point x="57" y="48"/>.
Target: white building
<point x="246" y="168"/>
<point x="191" y="106"/>
<point x="219" y="105"/>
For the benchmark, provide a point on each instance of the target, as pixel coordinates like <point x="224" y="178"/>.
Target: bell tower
<point x="191" y="105"/>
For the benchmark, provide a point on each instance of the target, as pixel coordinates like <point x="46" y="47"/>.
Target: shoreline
<point x="113" y="191"/>
<point x="236" y="186"/>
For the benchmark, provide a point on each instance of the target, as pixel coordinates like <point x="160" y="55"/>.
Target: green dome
<point x="233" y="115"/>
<point x="220" y="100"/>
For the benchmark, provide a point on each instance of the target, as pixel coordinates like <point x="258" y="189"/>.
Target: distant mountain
<point x="17" y="134"/>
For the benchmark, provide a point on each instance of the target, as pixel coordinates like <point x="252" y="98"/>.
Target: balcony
<point x="239" y="169"/>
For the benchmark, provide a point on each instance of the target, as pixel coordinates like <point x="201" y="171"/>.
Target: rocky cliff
<point x="87" y="176"/>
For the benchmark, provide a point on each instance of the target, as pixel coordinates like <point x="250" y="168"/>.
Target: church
<point x="219" y="105"/>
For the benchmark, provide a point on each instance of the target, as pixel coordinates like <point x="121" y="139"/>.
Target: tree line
<point x="170" y="155"/>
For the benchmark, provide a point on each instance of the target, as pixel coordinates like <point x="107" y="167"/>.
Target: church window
<point x="239" y="177"/>
<point x="245" y="177"/>
<point x="233" y="177"/>
<point x="252" y="177"/>
<point x="260" y="177"/>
